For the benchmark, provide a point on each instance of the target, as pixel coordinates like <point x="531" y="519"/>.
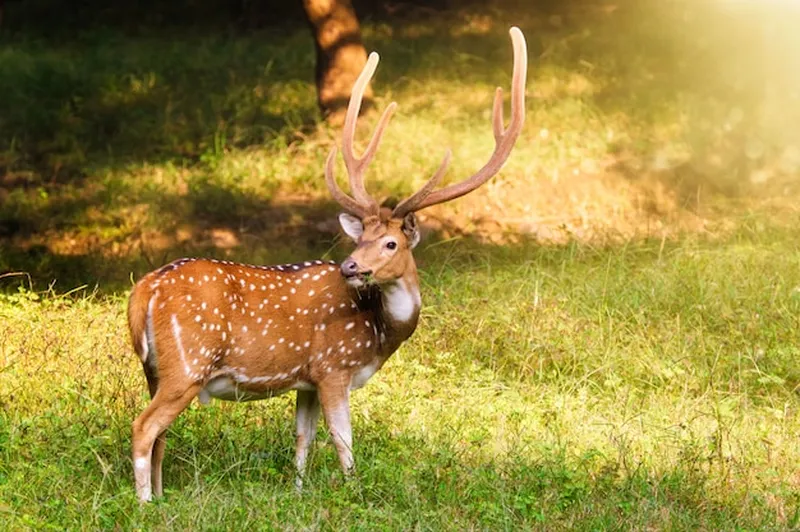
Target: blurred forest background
<point x="148" y="130"/>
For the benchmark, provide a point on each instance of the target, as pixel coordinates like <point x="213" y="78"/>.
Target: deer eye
<point x="391" y="244"/>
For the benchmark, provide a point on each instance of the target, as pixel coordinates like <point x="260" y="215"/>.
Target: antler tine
<point x="349" y="204"/>
<point x="497" y="114"/>
<point x="355" y="166"/>
<point x="504" y="137"/>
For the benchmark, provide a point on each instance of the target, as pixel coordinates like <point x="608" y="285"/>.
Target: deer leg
<point x="158" y="458"/>
<point x="161" y="441"/>
<point x="159" y="414"/>
<point x="306" y="417"/>
<point x="336" y="407"/>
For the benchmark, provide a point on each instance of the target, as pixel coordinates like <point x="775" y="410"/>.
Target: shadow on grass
<point x="68" y="112"/>
<point x="212" y="222"/>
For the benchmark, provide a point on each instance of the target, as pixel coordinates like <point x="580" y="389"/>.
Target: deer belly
<point x="363" y="374"/>
<point x="227" y="389"/>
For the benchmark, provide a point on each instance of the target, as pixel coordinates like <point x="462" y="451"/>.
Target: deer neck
<point x="398" y="309"/>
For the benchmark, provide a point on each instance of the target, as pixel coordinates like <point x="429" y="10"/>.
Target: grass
<point x="612" y="346"/>
<point x="646" y="386"/>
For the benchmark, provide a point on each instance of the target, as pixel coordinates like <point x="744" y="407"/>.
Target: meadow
<point x="610" y="336"/>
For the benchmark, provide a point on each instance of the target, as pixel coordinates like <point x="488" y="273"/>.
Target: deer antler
<point x="361" y="203"/>
<point x="504" y="140"/>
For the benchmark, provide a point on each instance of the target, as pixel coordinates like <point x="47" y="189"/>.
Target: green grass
<point x="651" y="385"/>
<point x="638" y="370"/>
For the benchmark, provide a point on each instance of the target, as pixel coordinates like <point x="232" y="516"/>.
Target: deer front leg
<point x="306" y="417"/>
<point x="336" y="407"/>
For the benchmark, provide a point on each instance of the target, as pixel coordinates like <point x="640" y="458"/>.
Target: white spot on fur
<point x="176" y="332"/>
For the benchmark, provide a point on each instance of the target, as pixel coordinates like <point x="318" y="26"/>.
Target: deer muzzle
<point x="353" y="273"/>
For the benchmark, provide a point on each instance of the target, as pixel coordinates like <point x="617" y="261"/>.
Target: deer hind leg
<point x="149" y="427"/>
<point x="159" y="447"/>
<point x="161" y="441"/>
<point x="336" y="407"/>
<point x="306" y="417"/>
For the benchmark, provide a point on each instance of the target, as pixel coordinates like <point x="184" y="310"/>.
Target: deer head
<point x="383" y="247"/>
<point x="384" y="238"/>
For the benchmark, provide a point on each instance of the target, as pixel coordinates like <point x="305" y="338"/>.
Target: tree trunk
<point x="340" y="54"/>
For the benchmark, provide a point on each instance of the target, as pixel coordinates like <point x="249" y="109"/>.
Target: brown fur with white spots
<point x="207" y="328"/>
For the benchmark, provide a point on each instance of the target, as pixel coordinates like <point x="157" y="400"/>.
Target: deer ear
<point x="352" y="225"/>
<point x="411" y="230"/>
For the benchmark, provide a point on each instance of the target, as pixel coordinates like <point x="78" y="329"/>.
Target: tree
<point x="340" y="54"/>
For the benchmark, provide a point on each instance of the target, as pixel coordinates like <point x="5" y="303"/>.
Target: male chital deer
<point x="208" y="328"/>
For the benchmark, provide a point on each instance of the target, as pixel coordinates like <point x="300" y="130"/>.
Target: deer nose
<point x="349" y="267"/>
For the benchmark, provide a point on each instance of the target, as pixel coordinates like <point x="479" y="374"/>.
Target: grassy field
<point x="642" y="386"/>
<point x="610" y="333"/>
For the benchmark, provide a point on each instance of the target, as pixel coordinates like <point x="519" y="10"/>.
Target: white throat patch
<point x="400" y="302"/>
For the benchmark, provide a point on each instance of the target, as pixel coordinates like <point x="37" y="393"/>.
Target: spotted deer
<point x="210" y="328"/>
